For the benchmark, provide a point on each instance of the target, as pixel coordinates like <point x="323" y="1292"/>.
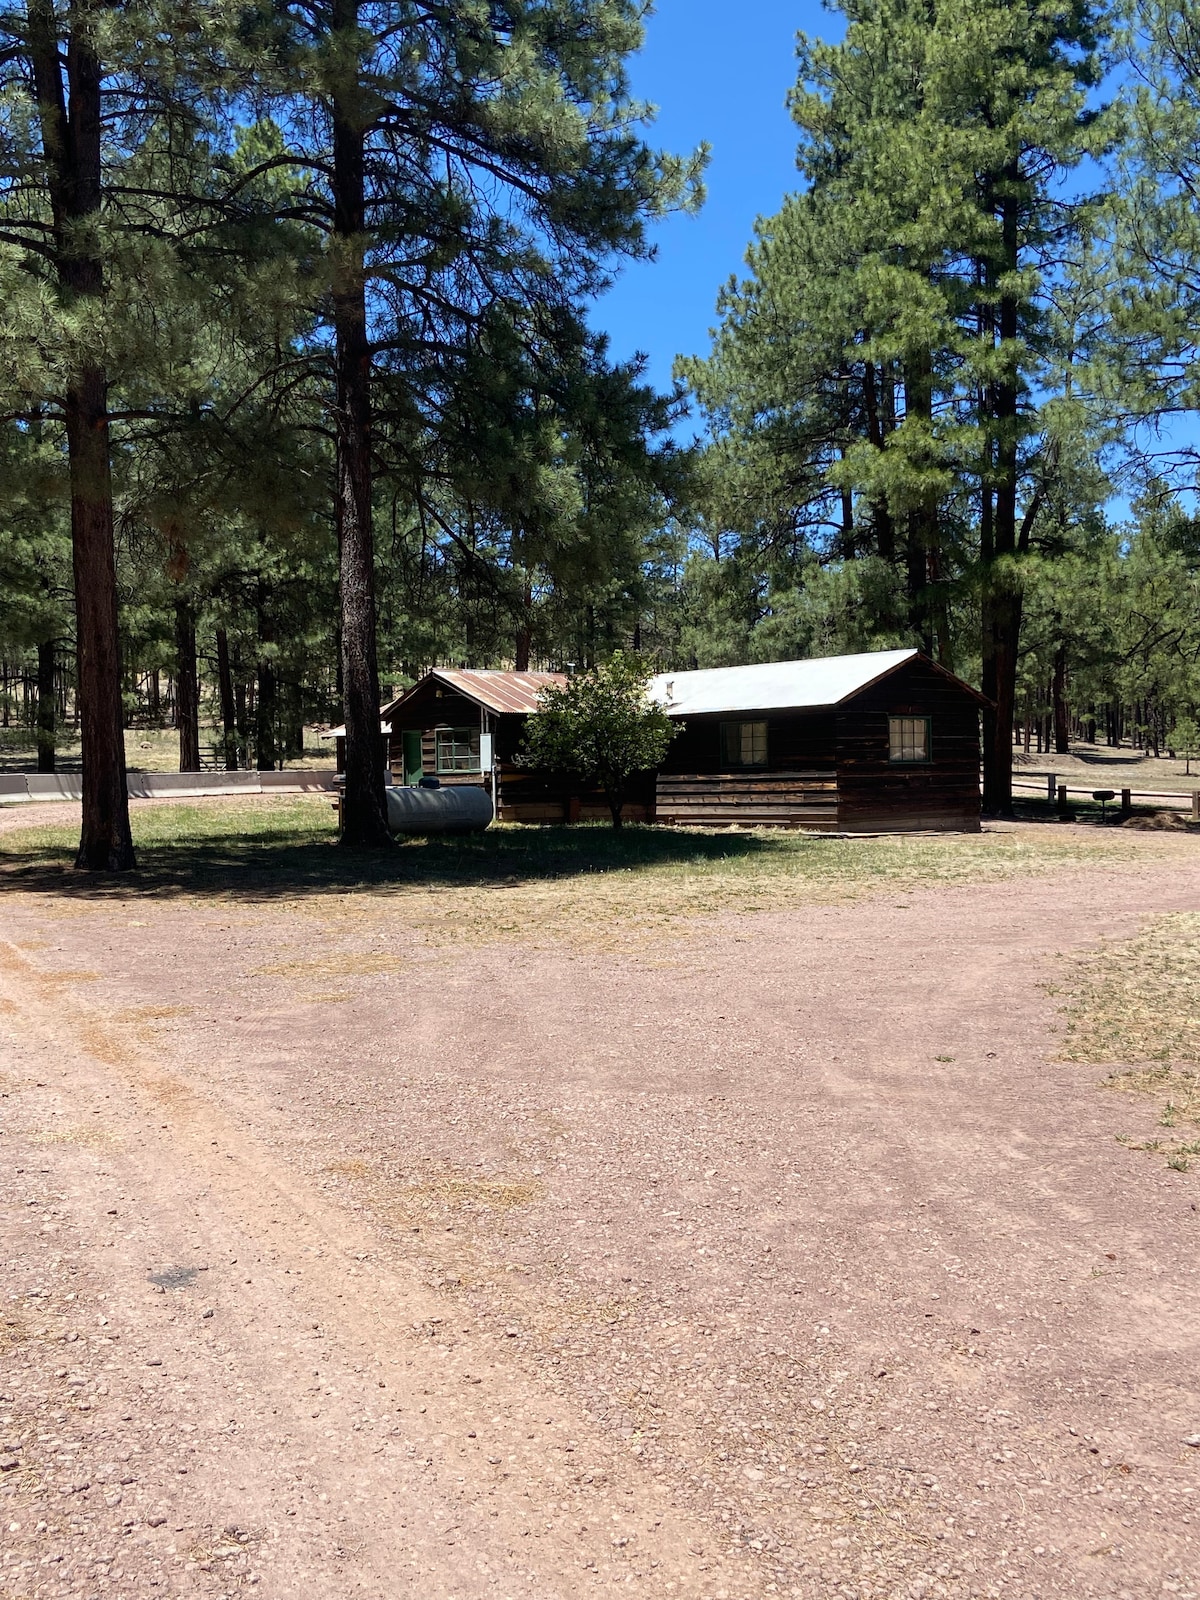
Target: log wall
<point x="754" y="798"/>
<point x="876" y="794"/>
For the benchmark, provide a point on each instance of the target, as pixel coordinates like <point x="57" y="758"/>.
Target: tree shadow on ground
<point x="273" y="865"/>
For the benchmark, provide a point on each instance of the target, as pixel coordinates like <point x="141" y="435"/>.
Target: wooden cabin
<point x="882" y="742"/>
<point x="466" y="726"/>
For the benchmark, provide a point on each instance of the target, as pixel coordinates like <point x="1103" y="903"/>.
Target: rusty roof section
<point x="496" y="691"/>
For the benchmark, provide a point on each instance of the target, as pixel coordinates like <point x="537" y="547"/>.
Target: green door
<point x="412" y="755"/>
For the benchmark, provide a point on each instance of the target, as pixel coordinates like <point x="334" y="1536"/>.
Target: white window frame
<point x="456" y="738"/>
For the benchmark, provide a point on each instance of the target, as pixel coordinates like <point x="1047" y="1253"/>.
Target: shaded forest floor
<point x="1099" y="766"/>
<point x="549" y="1214"/>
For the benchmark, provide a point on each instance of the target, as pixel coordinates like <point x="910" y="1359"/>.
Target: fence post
<point x="1062" y="801"/>
<point x="1196" y="804"/>
<point x="1126" y="802"/>
<point x="1051" y="780"/>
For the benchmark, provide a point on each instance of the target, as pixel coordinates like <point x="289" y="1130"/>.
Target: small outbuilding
<point x="881" y="742"/>
<point x="464" y="726"/>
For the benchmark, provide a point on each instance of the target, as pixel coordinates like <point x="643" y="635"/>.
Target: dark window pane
<point x="457" y="749"/>
<point x="744" y="744"/>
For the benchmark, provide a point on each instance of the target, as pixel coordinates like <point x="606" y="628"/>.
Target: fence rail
<point x="1058" y="792"/>
<point x="21" y="787"/>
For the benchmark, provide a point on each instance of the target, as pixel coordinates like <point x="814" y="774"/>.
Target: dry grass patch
<point x="349" y="964"/>
<point x="1137" y="1002"/>
<point x="581" y="887"/>
<point x="89" y="1138"/>
<point x="398" y="1199"/>
<point x="104" y="1043"/>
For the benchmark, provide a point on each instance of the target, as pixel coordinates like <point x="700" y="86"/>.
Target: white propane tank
<point x="458" y="808"/>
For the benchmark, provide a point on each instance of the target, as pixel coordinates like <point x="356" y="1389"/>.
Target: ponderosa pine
<point x="458" y="159"/>
<point x="895" y="340"/>
<point x="64" y="77"/>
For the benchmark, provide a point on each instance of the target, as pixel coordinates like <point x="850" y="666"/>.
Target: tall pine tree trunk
<point x="228" y="706"/>
<point x="874" y="396"/>
<point x="364" y="803"/>
<point x="187" y="689"/>
<point x="922" y="520"/>
<point x="71" y="147"/>
<point x="523" y="641"/>
<point x="1002" y="599"/>
<point x="46" y="706"/>
<point x="264" y="700"/>
<point x="242" y="715"/>
<point x="1058" y="692"/>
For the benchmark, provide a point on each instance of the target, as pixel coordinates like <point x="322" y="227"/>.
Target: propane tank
<point x="460" y="808"/>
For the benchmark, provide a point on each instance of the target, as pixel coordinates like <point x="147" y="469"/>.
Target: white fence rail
<point x="18" y="787"/>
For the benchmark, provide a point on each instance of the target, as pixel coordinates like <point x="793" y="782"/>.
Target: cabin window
<point x="908" y="738"/>
<point x="457" y="749"/>
<point x="744" y="744"/>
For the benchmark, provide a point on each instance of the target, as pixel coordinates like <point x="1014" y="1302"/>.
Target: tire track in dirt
<point x="434" y="1456"/>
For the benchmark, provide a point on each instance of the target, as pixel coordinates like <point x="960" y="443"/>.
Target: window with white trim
<point x="744" y="744"/>
<point x="908" y="739"/>
<point x="457" y="749"/>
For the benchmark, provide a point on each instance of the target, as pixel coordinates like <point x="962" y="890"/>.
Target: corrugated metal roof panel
<point x="501" y="691"/>
<point x="498" y="691"/>
<point x="773" y="685"/>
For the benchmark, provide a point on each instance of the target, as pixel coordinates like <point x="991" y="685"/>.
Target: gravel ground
<point x="780" y="1258"/>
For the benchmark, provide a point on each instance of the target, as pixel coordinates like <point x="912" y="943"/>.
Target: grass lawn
<point x="541" y="884"/>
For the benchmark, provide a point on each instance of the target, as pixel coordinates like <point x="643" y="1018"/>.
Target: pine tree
<point x="885" y="371"/>
<point x="456" y="159"/>
<point x="57" y="141"/>
<point x="1147" y="256"/>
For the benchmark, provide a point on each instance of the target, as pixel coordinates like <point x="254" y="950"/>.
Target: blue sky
<point x="717" y="74"/>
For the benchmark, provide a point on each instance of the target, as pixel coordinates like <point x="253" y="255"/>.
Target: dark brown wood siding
<point x="749" y="798"/>
<point x="876" y="794"/>
<point x="797" y="741"/>
<point x="426" y="711"/>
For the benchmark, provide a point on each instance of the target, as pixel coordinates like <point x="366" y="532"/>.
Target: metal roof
<point x="766" y="686"/>
<point x="497" y="691"/>
<point x="773" y="685"/>
<point x="340" y="731"/>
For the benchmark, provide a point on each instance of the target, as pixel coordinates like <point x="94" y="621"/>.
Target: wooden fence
<point x="1058" y="792"/>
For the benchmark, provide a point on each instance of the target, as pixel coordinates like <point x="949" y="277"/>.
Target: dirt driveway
<point x="779" y="1258"/>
